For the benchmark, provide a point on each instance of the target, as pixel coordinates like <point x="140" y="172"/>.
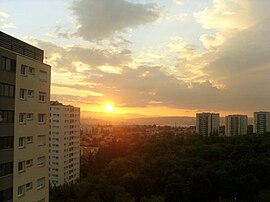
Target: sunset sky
<point x="150" y="57"/>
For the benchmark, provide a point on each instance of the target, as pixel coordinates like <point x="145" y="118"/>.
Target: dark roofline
<point x="20" y="47"/>
<point x="56" y="103"/>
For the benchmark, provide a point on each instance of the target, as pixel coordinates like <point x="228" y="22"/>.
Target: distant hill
<point x="95" y="118"/>
<point x="172" y="120"/>
<point x="164" y="120"/>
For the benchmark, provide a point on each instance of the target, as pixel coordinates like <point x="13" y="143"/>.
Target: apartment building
<point x="24" y="121"/>
<point x="207" y="124"/>
<point x="64" y="141"/>
<point x="236" y="125"/>
<point x="261" y="122"/>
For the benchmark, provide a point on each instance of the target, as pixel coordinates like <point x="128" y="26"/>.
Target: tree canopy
<point x="175" y="168"/>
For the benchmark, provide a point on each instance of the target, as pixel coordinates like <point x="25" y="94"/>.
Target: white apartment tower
<point x="207" y="124"/>
<point x="64" y="141"/>
<point x="24" y="122"/>
<point x="236" y="125"/>
<point x="261" y="122"/>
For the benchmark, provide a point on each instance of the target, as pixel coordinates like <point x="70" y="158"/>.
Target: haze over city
<point x="146" y="57"/>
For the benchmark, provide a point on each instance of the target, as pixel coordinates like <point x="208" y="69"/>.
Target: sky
<point x="150" y="57"/>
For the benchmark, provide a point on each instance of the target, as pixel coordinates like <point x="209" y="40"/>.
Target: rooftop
<point x="20" y="47"/>
<point x="56" y="103"/>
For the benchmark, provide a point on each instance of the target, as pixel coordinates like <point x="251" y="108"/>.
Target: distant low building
<point x="64" y="144"/>
<point x="236" y="125"/>
<point x="87" y="150"/>
<point x="250" y="129"/>
<point x="222" y="130"/>
<point x="261" y="122"/>
<point x="207" y="124"/>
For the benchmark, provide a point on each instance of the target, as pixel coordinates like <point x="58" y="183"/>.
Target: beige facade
<point x="31" y="122"/>
<point x="27" y="122"/>
<point x="64" y="143"/>
<point x="236" y="125"/>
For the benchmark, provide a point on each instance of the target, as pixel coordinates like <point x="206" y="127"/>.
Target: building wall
<point x="64" y="144"/>
<point x="207" y="124"/>
<point x="19" y="135"/>
<point x="215" y="124"/>
<point x="31" y="129"/>
<point x="6" y="129"/>
<point x="236" y="125"/>
<point x="261" y="122"/>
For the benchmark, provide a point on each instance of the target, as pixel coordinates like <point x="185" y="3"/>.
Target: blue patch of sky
<point x="152" y="35"/>
<point x="37" y="18"/>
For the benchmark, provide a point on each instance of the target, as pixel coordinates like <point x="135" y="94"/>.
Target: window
<point x="42" y="75"/>
<point x="6" y="169"/>
<point x="21" y="190"/>
<point x="6" y="143"/>
<point x="30" y="93"/>
<point x="29" y="162"/>
<point x="41" y="118"/>
<point x="31" y="70"/>
<point x="41" y="140"/>
<point x="7" y="90"/>
<point x="41" y="183"/>
<point x="8" y="64"/>
<point x="21" y="166"/>
<point x="6" y="116"/>
<point x="30" y="116"/>
<point x="23" y="94"/>
<point x="41" y="161"/>
<point x="42" y="97"/>
<point x="28" y="185"/>
<point x="23" y="70"/>
<point x="6" y="195"/>
<point x="22" y="117"/>
<point x="29" y="139"/>
<point x="22" y="142"/>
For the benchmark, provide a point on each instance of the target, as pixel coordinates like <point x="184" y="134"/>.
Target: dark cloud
<point x="99" y="19"/>
<point x="146" y="85"/>
<point x="242" y="62"/>
<point x="245" y="51"/>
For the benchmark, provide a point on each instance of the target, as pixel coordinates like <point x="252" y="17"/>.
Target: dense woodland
<point x="174" y="169"/>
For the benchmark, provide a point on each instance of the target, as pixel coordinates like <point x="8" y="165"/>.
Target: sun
<point x="109" y="108"/>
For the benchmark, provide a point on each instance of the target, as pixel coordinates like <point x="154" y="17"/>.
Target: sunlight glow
<point x="109" y="108"/>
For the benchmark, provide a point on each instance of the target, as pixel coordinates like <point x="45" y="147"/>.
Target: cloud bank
<point x="100" y="19"/>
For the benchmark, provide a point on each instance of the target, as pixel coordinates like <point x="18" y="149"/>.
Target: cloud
<point x="241" y="40"/>
<point x="233" y="15"/>
<point x="180" y="2"/>
<point x="231" y="73"/>
<point x="7" y="25"/>
<point x="148" y="86"/>
<point x="100" y="19"/>
<point x="182" y="17"/>
<point x="212" y="41"/>
<point x="3" y="24"/>
<point x="3" y="15"/>
<point x="77" y="58"/>
<point x="189" y="61"/>
<point x="98" y="75"/>
<point x="238" y="53"/>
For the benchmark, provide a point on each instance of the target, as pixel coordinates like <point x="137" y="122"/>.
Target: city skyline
<point x="149" y="57"/>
